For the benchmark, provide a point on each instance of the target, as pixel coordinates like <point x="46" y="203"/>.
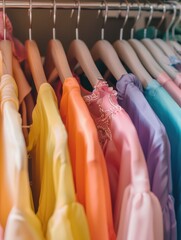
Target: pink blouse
<point x="137" y="211"/>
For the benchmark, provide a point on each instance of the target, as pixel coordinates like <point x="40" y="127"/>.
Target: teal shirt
<point x="169" y="113"/>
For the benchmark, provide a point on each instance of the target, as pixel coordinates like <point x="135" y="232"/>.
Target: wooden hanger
<point x="7" y="57"/>
<point x="165" y="46"/>
<point x="134" y="46"/>
<point x="175" y="46"/>
<point x="160" y="57"/>
<point x="79" y="53"/>
<point x="104" y="51"/>
<point x="129" y="57"/>
<point x="35" y="63"/>
<point x="56" y="57"/>
<point x="146" y="58"/>
<point x="34" y="58"/>
<point x="157" y="52"/>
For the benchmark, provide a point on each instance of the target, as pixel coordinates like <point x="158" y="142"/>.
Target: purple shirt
<point x="155" y="145"/>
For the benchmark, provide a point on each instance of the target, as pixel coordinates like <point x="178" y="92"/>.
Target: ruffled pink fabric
<point x="17" y="47"/>
<point x="137" y="212"/>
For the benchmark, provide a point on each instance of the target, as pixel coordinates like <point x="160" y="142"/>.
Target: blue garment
<point x="170" y="114"/>
<point x="155" y="145"/>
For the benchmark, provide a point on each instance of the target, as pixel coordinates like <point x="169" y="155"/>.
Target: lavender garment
<point x="155" y="145"/>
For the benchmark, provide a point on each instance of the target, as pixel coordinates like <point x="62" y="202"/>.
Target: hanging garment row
<point x="90" y="140"/>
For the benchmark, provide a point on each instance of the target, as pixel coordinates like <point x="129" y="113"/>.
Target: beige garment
<point x="16" y="214"/>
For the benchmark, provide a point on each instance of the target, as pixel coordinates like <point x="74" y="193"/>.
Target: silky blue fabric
<point x="169" y="113"/>
<point x="155" y="145"/>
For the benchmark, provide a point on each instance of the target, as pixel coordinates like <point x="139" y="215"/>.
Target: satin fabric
<point x="88" y="163"/>
<point x="16" y="213"/>
<point x="155" y="144"/>
<point x="170" y="115"/>
<point x="128" y="176"/>
<point x="61" y="216"/>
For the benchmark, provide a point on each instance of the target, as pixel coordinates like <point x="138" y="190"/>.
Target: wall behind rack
<point x="89" y="27"/>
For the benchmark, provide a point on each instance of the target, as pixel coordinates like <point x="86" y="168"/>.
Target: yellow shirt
<point x="53" y="190"/>
<point x="16" y="214"/>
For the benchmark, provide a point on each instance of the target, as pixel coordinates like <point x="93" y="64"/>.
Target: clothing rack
<point x="65" y="29"/>
<point x="86" y="5"/>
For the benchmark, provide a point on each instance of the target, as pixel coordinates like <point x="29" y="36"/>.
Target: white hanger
<point x="56" y="57"/>
<point x="157" y="53"/>
<point x="33" y="57"/>
<point x="6" y="49"/>
<point x="104" y="51"/>
<point x="129" y="57"/>
<point x="79" y="53"/>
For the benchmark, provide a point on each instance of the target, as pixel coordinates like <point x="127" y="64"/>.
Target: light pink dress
<point x="137" y="212"/>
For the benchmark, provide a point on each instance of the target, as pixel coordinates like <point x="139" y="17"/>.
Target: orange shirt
<point x="88" y="163"/>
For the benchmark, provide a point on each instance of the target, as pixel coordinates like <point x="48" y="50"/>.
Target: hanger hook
<point x="161" y="21"/>
<point x="78" y="19"/>
<point x="136" y="20"/>
<point x="30" y="18"/>
<point x="149" y="19"/>
<point x="4" y="18"/>
<point x="105" y="19"/>
<point x="125" y="20"/>
<point x="171" y="22"/>
<point x="176" y="22"/>
<point x="54" y="18"/>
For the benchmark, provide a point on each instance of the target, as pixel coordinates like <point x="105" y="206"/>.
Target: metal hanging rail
<point x="84" y="5"/>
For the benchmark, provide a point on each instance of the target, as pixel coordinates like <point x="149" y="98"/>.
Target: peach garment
<point x="137" y="212"/>
<point x="17" y="47"/>
<point x="54" y="194"/>
<point x="88" y="163"/>
<point x="24" y="90"/>
<point x="167" y="83"/>
<point x="16" y="214"/>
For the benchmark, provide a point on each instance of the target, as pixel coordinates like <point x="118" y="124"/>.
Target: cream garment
<point x="16" y="214"/>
